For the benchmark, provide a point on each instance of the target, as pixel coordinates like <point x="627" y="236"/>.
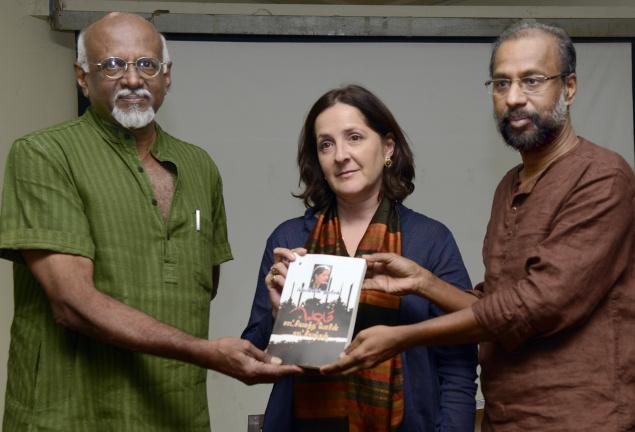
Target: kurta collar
<point x="527" y="188"/>
<point x="117" y="134"/>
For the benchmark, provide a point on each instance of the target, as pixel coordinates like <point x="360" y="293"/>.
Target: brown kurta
<point x="559" y="297"/>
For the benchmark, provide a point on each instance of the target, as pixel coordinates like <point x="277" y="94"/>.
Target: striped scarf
<point x="370" y="400"/>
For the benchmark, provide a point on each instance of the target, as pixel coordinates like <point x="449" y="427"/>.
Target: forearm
<point x="68" y="283"/>
<point x="76" y="304"/>
<point x="103" y="318"/>
<point x="456" y="328"/>
<point x="446" y="296"/>
<point x="113" y="322"/>
<point x="378" y="343"/>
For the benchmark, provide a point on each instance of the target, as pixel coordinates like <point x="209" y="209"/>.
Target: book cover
<point x="318" y="306"/>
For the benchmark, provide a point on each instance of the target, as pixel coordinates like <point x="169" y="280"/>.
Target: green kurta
<point x="79" y="188"/>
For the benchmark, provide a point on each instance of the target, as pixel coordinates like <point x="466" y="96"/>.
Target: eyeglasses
<point x="115" y="67"/>
<point x="532" y="84"/>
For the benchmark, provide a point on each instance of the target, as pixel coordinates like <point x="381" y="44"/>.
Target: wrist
<point x="423" y="282"/>
<point x="406" y="337"/>
<point x="203" y="352"/>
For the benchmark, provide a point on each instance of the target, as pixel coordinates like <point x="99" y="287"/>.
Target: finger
<point x="372" y="284"/>
<point x="277" y="275"/>
<point x="331" y="368"/>
<point x="380" y="268"/>
<point x="272" y="372"/>
<point x="278" y="282"/>
<point x="344" y="365"/>
<point x="280" y="269"/>
<point x="281" y="254"/>
<point x="300" y="251"/>
<point x="375" y="268"/>
<point x="290" y="369"/>
<point x="268" y="373"/>
<point x="270" y="280"/>
<point x="357" y="341"/>
<point x="379" y="257"/>
<point x="268" y="358"/>
<point x="252" y="351"/>
<point x="369" y="272"/>
<point x="294" y="254"/>
<point x="351" y="370"/>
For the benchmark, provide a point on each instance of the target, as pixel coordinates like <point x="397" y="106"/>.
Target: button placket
<point x="510" y="223"/>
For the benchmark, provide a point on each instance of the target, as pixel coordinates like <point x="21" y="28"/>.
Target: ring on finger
<point x="274" y="271"/>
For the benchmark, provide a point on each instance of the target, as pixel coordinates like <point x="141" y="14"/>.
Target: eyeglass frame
<point x="525" y="92"/>
<point x="127" y="63"/>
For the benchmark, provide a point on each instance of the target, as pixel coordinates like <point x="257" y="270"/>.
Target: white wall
<point x="37" y="91"/>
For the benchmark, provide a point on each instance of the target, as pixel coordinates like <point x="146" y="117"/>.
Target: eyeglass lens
<point x="528" y="85"/>
<point x="115" y="67"/>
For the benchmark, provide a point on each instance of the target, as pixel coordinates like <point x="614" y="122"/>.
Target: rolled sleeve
<point x="569" y="272"/>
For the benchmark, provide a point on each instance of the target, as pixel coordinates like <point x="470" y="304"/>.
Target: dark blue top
<point x="439" y="382"/>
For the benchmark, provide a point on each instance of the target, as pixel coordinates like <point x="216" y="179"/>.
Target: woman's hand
<point x="394" y="274"/>
<point x="278" y="274"/>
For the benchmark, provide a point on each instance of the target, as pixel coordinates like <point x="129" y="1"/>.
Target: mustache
<point x="137" y="92"/>
<point x="518" y="113"/>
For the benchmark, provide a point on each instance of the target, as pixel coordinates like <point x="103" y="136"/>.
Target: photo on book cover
<point x="318" y="306"/>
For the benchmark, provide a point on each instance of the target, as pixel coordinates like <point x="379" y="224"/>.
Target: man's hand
<point x="239" y="359"/>
<point x="397" y="275"/>
<point x="394" y="274"/>
<point x="376" y="344"/>
<point x="369" y="348"/>
<point x="278" y="274"/>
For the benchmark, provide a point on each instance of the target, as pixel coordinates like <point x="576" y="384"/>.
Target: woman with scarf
<point x="357" y="167"/>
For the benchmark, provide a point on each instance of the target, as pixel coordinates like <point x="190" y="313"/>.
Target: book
<point x="318" y="307"/>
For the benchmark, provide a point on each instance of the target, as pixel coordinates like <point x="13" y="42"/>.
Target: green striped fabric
<point x="79" y="188"/>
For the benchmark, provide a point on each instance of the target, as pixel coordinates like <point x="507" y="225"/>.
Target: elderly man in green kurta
<point x="117" y="231"/>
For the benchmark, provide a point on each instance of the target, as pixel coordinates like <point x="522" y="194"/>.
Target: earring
<point x="388" y="162"/>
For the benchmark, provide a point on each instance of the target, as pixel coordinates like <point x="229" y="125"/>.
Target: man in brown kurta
<point x="556" y="313"/>
<point x="559" y="297"/>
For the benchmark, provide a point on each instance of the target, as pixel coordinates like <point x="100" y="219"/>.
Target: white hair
<point x="133" y="117"/>
<point x="82" y="58"/>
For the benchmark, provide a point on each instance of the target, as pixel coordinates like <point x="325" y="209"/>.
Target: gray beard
<point x="133" y="118"/>
<point x="547" y="128"/>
